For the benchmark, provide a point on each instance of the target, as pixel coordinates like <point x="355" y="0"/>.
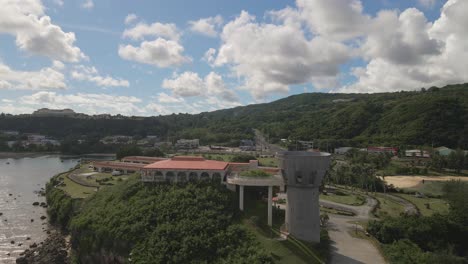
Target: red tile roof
<point x="142" y="158"/>
<point x="188" y="163"/>
<point x="118" y="165"/>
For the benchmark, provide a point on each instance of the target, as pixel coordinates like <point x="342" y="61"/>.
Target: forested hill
<point x="436" y="116"/>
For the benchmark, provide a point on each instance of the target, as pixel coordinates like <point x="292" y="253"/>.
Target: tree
<point x="130" y="150"/>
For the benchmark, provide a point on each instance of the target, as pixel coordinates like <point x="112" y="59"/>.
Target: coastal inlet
<point x="23" y="224"/>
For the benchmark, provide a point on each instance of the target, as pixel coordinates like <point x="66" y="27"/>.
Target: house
<point x="247" y="145"/>
<point x="390" y="150"/>
<point x="342" y="150"/>
<point x="417" y="153"/>
<point x="187" y="144"/>
<point x="443" y="151"/>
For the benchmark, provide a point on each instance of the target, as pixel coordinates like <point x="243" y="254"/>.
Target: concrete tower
<point x="303" y="173"/>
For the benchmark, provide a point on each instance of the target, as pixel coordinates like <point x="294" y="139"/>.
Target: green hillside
<point x="436" y="116"/>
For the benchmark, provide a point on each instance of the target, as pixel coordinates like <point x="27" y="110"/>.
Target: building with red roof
<point x="185" y="168"/>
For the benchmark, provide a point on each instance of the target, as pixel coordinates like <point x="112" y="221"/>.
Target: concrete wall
<point x="303" y="173"/>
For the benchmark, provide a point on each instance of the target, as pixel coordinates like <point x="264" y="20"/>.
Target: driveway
<point x="345" y="248"/>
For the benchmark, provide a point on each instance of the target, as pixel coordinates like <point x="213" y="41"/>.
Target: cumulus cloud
<point x="189" y="84"/>
<point x="91" y="74"/>
<point x="130" y="18"/>
<point x="45" y="78"/>
<point x="35" y="32"/>
<point x="83" y="102"/>
<point x="160" y="52"/>
<point x="143" y="30"/>
<point x="337" y="19"/>
<point x="87" y="4"/>
<point x="402" y="39"/>
<point x="165" y="98"/>
<point x="207" y="26"/>
<point x="438" y="53"/>
<point x="270" y="57"/>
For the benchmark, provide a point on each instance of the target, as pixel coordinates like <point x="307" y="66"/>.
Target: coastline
<point x="19" y="155"/>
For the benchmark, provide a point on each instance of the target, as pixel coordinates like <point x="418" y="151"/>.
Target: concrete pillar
<point x="241" y="197"/>
<point x="270" y="212"/>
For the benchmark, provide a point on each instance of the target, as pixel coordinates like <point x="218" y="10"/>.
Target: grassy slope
<point x="436" y="205"/>
<point x="348" y="199"/>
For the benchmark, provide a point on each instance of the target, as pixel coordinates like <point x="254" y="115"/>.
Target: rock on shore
<point x="52" y="251"/>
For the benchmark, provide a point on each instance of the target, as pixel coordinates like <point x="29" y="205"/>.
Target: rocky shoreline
<point x="54" y="250"/>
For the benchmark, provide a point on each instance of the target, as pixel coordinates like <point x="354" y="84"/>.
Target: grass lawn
<point x="388" y="207"/>
<point x="348" y="199"/>
<point x="429" y="188"/>
<point x="435" y="205"/>
<point x="75" y="190"/>
<point x="268" y="162"/>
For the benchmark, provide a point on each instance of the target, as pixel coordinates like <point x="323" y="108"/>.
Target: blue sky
<point x="162" y="57"/>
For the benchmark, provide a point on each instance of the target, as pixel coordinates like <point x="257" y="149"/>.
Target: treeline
<point x="136" y="223"/>
<point x="428" y="239"/>
<point x="358" y="170"/>
<point x="435" y="116"/>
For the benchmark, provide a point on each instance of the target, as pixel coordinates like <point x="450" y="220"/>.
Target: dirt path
<point x="345" y="248"/>
<point x="413" y="181"/>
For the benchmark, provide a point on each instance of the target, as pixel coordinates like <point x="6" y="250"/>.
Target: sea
<point x="20" y="181"/>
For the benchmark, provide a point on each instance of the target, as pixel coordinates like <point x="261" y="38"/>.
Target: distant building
<point x="342" y="150"/>
<point x="417" y="153"/>
<point x="390" y="150"/>
<point x="247" y="145"/>
<point x="54" y="112"/>
<point x="187" y="144"/>
<point x="304" y="145"/>
<point x="117" y="139"/>
<point x="10" y="132"/>
<point x="444" y="151"/>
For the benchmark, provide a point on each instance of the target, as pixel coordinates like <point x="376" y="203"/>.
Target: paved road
<point x="266" y="147"/>
<point x="345" y="248"/>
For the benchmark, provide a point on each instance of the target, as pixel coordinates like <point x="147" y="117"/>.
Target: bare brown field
<point x="413" y="181"/>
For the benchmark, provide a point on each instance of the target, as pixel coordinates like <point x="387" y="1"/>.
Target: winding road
<point x="347" y="249"/>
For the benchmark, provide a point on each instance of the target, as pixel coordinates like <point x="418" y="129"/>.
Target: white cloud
<point x="87" y="4"/>
<point x="91" y="74"/>
<point x="142" y="30"/>
<point x="130" y="18"/>
<point x="35" y="32"/>
<point x="402" y="39"/>
<point x="428" y="66"/>
<point x="186" y="85"/>
<point x="165" y="98"/>
<point x="45" y="78"/>
<point x="189" y="84"/>
<point x="207" y="26"/>
<point x="336" y="19"/>
<point x="427" y="3"/>
<point x="160" y="52"/>
<point x="270" y="57"/>
<point x="58" y="2"/>
<point x="85" y="103"/>
<point x="209" y="56"/>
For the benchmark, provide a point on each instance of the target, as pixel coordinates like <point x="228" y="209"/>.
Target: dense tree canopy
<point x="191" y="223"/>
<point x="427" y="117"/>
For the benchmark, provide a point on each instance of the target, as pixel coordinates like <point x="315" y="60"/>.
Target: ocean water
<point x="20" y="180"/>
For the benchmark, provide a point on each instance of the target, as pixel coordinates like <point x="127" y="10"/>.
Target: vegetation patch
<point x="255" y="174"/>
<point x="346" y="198"/>
<point x="164" y="223"/>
